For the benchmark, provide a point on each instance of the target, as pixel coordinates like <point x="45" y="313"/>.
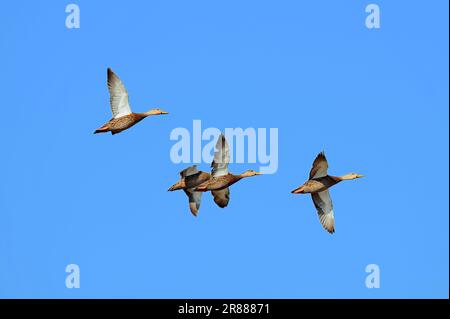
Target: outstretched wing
<point x="324" y="205"/>
<point x="221" y="157"/>
<point x="320" y="167"/>
<point x="221" y="197"/>
<point x="118" y="96"/>
<point x="195" y="199"/>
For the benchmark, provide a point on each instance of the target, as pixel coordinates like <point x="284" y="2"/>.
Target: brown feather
<point x="221" y="197"/>
<point x="218" y="183"/>
<point x="188" y="183"/>
<point x="319" y="164"/>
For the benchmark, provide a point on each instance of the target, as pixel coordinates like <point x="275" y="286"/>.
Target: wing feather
<point x="221" y="157"/>
<point x="118" y="96"/>
<point x="195" y="199"/>
<point x="192" y="170"/>
<point x="320" y="167"/>
<point x="324" y="205"/>
<point x="221" y="197"/>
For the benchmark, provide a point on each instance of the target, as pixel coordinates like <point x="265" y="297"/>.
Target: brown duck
<point x="220" y="177"/>
<point x="317" y="185"/>
<point x="191" y="177"/>
<point x="123" y="118"/>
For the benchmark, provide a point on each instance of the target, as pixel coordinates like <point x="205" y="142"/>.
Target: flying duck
<point x="195" y="182"/>
<point x="122" y="118"/>
<point x="221" y="179"/>
<point x="318" y="184"/>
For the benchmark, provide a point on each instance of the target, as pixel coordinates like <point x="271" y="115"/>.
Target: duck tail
<point x="103" y="129"/>
<point x="299" y="190"/>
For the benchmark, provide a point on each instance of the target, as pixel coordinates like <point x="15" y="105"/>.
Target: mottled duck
<point x="317" y="185"/>
<point x="190" y="178"/>
<point x="195" y="182"/>
<point x="221" y="179"/>
<point x="123" y="118"/>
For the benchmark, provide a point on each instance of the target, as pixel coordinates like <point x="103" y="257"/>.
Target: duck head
<point x="351" y="176"/>
<point x="155" y="112"/>
<point x="250" y="173"/>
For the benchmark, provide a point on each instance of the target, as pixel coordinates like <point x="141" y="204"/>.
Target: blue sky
<point x="375" y="100"/>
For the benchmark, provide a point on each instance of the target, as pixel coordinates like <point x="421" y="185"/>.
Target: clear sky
<point x="376" y="100"/>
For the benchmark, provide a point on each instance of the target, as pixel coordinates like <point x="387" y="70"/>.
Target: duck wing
<point x="118" y="96"/>
<point x="324" y="205"/>
<point x="221" y="158"/>
<point x="320" y="167"/>
<point x="195" y="199"/>
<point x="221" y="197"/>
<point x="192" y="170"/>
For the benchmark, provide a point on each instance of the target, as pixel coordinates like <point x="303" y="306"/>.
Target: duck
<point x="318" y="184"/>
<point x="194" y="182"/>
<point x="190" y="178"/>
<point x="123" y="118"/>
<point x="221" y="179"/>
